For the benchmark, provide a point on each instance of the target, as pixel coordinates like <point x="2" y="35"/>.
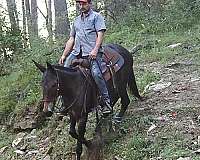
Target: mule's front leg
<point x="81" y="139"/>
<point x="72" y="130"/>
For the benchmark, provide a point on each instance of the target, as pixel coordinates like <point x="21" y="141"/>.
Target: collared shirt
<point x="84" y="29"/>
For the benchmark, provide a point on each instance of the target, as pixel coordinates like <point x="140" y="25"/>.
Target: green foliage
<point x="159" y="17"/>
<point x="21" y="87"/>
<point x="10" y="40"/>
<point x="6" y="139"/>
<point x="136" y="148"/>
<point x="136" y="144"/>
<point x="175" y="22"/>
<point x="145" y="78"/>
<point x="155" y="29"/>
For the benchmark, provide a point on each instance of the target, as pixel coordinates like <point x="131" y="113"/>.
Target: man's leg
<point x="68" y="60"/>
<point x="98" y="77"/>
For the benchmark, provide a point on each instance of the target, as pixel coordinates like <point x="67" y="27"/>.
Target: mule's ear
<point x="39" y="66"/>
<point x="49" y="66"/>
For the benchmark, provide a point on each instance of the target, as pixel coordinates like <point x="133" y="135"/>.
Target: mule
<point x="80" y="93"/>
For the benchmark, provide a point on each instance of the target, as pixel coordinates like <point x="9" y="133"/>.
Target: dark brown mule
<point x="80" y="95"/>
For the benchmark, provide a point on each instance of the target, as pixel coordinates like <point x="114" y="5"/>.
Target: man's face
<point x="84" y="7"/>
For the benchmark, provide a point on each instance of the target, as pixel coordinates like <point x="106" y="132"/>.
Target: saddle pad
<point x="112" y="58"/>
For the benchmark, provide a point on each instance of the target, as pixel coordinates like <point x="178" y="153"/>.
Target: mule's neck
<point x="69" y="79"/>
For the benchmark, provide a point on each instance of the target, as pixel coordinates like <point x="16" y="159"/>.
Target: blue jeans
<point x="96" y="74"/>
<point x="68" y="60"/>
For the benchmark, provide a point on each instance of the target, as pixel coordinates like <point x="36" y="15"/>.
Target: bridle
<point x="58" y="91"/>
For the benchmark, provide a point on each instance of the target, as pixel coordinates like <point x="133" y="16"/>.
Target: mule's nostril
<point x="45" y="109"/>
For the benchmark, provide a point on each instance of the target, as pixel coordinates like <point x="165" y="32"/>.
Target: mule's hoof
<point x="117" y="119"/>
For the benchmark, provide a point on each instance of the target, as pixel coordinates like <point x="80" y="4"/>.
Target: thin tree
<point x="13" y="16"/>
<point x="28" y="18"/>
<point x="34" y="17"/>
<point x="24" y="24"/>
<point x="2" y="48"/>
<point x="61" y="18"/>
<point x="48" y="19"/>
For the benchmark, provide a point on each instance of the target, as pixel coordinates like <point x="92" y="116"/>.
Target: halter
<point x="58" y="89"/>
<point x="58" y="83"/>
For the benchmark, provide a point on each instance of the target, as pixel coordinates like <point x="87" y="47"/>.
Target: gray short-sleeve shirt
<point x="84" y="30"/>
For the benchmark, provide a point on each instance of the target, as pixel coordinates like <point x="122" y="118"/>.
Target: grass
<point x="145" y="78"/>
<point x="6" y="141"/>
<point x="136" y="145"/>
<point x="156" y="45"/>
<point x="21" y="88"/>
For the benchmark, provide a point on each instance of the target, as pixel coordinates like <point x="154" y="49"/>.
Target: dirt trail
<point x="173" y="103"/>
<point x="181" y="90"/>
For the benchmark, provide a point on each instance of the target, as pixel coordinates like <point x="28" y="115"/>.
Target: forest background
<point x="38" y="30"/>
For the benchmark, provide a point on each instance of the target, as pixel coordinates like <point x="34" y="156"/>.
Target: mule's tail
<point x="132" y="85"/>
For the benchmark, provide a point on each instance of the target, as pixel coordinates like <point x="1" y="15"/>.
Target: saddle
<point x="111" y="63"/>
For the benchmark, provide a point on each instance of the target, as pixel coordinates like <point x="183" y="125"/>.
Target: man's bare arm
<point x="68" y="47"/>
<point x="99" y="41"/>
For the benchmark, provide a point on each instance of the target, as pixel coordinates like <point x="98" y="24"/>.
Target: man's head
<point x="84" y="5"/>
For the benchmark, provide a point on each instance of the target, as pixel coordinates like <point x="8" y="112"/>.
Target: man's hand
<point x="68" y="47"/>
<point x="62" y="59"/>
<point x="93" y="54"/>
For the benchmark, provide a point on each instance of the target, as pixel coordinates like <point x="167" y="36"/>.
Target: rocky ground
<point x="173" y="104"/>
<point x="171" y="108"/>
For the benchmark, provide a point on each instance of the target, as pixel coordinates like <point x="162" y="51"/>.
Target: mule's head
<point x="50" y="85"/>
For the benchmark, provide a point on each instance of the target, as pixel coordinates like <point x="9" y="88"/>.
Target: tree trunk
<point x="2" y="49"/>
<point x="61" y="18"/>
<point x="49" y="20"/>
<point x="13" y="16"/>
<point x="28" y="17"/>
<point x="16" y="13"/>
<point x="34" y="17"/>
<point x="24" y="24"/>
<point x="24" y="17"/>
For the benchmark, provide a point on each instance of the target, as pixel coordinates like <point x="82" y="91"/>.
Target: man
<point x="86" y="37"/>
